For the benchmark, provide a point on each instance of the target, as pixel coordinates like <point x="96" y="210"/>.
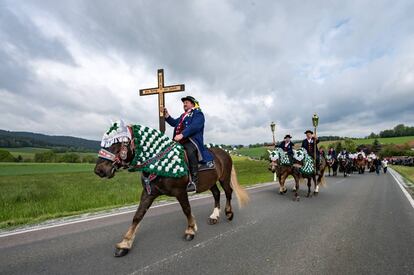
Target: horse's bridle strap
<point x="105" y="154"/>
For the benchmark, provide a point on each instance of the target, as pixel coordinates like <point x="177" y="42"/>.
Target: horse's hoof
<point x="315" y="193"/>
<point x="281" y="193"/>
<point x="309" y="195"/>
<point x="120" y="252"/>
<point x="284" y="191"/>
<point x="230" y="216"/>
<point x="212" y="221"/>
<point x="296" y="199"/>
<point x="189" y="237"/>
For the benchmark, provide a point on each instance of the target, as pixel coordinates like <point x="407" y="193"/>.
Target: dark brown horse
<point x="332" y="163"/>
<point x="224" y="172"/>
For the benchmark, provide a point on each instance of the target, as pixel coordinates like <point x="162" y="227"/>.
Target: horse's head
<point x="117" y="150"/>
<point x="117" y="156"/>
<point x="273" y="160"/>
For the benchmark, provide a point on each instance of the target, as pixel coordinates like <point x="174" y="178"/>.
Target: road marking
<point x="178" y="255"/>
<point x="122" y="212"/>
<point x="398" y="179"/>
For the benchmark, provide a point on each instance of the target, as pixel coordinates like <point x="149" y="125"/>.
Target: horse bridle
<point x="122" y="155"/>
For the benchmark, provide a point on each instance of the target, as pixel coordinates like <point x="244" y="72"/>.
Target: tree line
<point x="398" y="131"/>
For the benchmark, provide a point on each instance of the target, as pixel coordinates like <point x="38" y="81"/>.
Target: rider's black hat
<point x="287" y="136"/>
<point x="189" y="98"/>
<point x="308" y="131"/>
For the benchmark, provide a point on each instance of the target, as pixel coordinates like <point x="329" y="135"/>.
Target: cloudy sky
<point x="69" y="67"/>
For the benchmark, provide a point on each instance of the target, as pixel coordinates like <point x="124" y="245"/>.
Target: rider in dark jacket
<point x="189" y="131"/>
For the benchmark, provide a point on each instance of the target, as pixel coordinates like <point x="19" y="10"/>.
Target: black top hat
<point x="189" y="98"/>
<point x="308" y="131"/>
<point x="287" y="136"/>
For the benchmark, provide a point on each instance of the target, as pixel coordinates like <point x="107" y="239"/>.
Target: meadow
<point x="34" y="192"/>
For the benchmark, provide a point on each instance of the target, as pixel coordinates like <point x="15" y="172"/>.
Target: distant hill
<point x="11" y="139"/>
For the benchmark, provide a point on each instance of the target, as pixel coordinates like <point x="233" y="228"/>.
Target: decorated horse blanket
<point x="300" y="156"/>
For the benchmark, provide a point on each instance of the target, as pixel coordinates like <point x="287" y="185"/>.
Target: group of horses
<point x="348" y="166"/>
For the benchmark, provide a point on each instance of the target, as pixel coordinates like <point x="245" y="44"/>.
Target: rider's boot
<point x="192" y="185"/>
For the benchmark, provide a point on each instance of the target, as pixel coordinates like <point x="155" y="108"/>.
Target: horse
<point x="283" y="171"/>
<point x="122" y="153"/>
<point x="345" y="166"/>
<point x="360" y="163"/>
<point x="332" y="163"/>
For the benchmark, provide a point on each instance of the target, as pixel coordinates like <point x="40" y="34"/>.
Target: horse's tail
<point x="241" y="194"/>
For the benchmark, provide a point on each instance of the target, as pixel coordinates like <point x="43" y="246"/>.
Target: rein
<point x="156" y="157"/>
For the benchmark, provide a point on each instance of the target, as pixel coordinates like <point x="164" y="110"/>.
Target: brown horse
<point x="283" y="171"/>
<point x="360" y="164"/>
<point x="224" y="172"/>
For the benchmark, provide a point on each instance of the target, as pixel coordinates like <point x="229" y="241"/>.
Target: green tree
<point x="6" y="156"/>
<point x="70" y="158"/>
<point x="47" y="156"/>
<point x="376" y="146"/>
<point x="338" y="147"/>
<point x="349" y="145"/>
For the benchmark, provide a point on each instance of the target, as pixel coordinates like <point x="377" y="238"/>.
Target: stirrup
<point x="191" y="187"/>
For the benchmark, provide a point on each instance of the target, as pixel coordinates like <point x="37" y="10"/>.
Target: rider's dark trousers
<point x="191" y="150"/>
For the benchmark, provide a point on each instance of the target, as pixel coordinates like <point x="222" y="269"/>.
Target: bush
<point x="89" y="159"/>
<point x="48" y="156"/>
<point x="6" y="156"/>
<point x="70" y="158"/>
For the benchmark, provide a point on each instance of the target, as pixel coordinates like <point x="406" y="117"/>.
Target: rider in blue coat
<point x="189" y="131"/>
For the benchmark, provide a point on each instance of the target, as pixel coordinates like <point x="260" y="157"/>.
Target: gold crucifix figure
<point x="161" y="90"/>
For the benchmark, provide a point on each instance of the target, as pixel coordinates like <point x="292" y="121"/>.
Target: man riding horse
<point x="287" y="146"/>
<point x="309" y="144"/>
<point x="189" y="131"/>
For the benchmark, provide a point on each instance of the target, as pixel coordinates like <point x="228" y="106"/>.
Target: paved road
<point x="359" y="225"/>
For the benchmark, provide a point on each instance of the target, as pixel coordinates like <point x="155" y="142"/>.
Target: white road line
<point x="102" y="216"/>
<point x="398" y="179"/>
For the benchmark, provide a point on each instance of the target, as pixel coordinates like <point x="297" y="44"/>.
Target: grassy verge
<point x="407" y="173"/>
<point x="34" y="192"/>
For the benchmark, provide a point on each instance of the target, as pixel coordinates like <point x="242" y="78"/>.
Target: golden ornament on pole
<point x="273" y="128"/>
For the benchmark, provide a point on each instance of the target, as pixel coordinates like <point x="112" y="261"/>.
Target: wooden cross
<point x="161" y="90"/>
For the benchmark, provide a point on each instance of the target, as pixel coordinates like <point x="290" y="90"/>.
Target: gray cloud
<point x="249" y="63"/>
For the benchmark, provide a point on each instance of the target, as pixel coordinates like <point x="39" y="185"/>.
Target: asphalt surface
<point x="359" y="225"/>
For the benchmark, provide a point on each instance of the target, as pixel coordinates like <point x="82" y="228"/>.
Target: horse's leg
<point x="182" y="198"/>
<point x="317" y="182"/>
<point x="282" y="188"/>
<point x="309" y="186"/>
<point x="228" y="191"/>
<point x="123" y="247"/>
<point x="296" y="188"/>
<point x="214" y="217"/>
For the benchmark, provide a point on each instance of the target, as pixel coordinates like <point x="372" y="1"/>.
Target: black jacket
<point x="288" y="149"/>
<point x="309" y="146"/>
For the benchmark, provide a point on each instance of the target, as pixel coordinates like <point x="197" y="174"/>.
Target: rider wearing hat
<point x="189" y="131"/>
<point x="309" y="144"/>
<point x="287" y="146"/>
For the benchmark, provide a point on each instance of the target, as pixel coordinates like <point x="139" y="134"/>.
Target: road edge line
<point x="401" y="185"/>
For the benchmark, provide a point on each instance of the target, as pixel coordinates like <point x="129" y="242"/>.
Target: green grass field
<point x="407" y="172"/>
<point x="34" y="192"/>
<point x="252" y="152"/>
